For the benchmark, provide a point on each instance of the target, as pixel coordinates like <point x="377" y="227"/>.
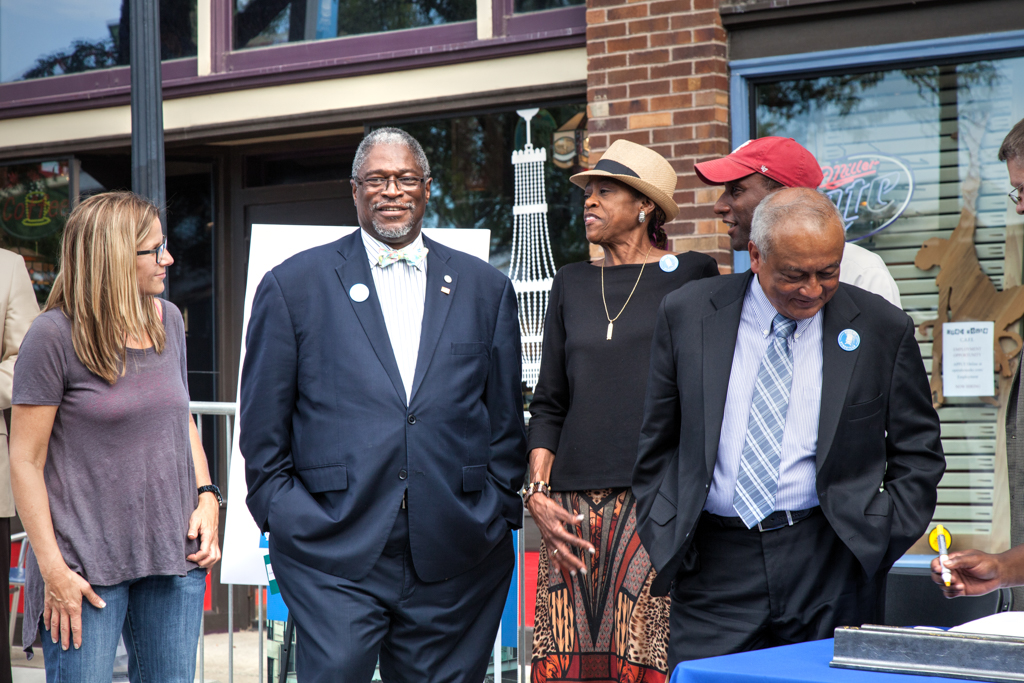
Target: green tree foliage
<point x="371" y="16"/>
<point x="538" y="5"/>
<point x="780" y="104"/>
<point x="83" y="55"/>
<point x="177" y="40"/>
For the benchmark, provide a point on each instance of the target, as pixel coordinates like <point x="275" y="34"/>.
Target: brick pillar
<point x="657" y="76"/>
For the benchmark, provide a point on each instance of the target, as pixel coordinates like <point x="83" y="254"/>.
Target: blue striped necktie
<point x="758" y="480"/>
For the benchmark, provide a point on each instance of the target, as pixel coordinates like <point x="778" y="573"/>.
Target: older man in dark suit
<point x="382" y="429"/>
<point x="789" y="452"/>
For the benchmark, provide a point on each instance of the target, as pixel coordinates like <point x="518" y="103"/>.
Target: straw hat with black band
<point x="643" y="169"/>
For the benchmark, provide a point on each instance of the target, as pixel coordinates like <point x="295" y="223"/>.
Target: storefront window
<point x="70" y="36"/>
<point x="537" y="5"/>
<point x="271" y="22"/>
<point x="471" y="162"/>
<point x="910" y="154"/>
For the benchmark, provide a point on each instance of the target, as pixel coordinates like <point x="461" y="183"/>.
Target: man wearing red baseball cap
<point x="759" y="167"/>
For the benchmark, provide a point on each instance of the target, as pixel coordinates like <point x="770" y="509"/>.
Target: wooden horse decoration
<point x="965" y="292"/>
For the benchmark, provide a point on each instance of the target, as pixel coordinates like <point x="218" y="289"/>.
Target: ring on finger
<point x="554" y="552"/>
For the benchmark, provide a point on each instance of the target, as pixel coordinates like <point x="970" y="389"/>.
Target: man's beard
<point x="392" y="232"/>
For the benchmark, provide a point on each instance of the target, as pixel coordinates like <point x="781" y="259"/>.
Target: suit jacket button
<point x="402" y="474"/>
<point x="412" y="419"/>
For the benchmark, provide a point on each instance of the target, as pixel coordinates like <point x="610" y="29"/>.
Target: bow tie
<point x="414" y="255"/>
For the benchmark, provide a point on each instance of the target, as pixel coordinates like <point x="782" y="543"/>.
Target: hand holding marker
<point x="939" y="541"/>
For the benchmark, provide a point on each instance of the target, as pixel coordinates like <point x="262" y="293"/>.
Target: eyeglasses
<point x="159" y="251"/>
<point x="406" y="182"/>
<point x="1015" y="195"/>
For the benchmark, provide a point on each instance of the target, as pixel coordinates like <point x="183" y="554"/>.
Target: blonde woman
<point x="109" y="475"/>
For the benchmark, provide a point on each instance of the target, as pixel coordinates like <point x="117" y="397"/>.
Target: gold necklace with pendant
<point x="611" y="320"/>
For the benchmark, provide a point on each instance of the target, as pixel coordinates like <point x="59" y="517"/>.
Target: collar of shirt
<point x="764" y="311"/>
<point x="374" y="248"/>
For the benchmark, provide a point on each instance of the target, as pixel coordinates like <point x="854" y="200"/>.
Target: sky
<point x="30" y="29"/>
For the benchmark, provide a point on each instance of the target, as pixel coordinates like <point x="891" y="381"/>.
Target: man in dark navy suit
<point x="382" y="430"/>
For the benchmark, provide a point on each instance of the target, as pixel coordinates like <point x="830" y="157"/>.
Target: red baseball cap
<point x="783" y="160"/>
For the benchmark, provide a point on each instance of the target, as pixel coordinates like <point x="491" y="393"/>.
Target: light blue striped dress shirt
<point x="800" y="437"/>
<point x="401" y="289"/>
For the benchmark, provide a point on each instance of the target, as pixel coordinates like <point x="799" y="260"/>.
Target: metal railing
<point x="227" y="411"/>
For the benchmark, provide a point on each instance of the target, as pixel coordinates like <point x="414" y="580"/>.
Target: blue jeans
<point x="159" y="617"/>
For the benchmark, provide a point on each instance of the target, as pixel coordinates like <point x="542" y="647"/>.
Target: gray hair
<point x="1013" y="143"/>
<point x="389" y="136"/>
<point x="789" y="203"/>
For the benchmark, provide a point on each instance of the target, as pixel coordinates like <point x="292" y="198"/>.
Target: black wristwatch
<point x="210" y="488"/>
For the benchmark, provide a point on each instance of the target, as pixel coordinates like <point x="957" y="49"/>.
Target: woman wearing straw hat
<point x="595" y="616"/>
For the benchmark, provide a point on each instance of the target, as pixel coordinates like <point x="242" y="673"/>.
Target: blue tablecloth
<point x="800" y="662"/>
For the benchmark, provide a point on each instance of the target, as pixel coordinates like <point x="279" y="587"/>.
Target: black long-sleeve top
<point x="589" y="401"/>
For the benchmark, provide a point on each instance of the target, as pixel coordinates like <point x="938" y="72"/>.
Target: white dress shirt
<point x="401" y="289"/>
<point x="800" y="436"/>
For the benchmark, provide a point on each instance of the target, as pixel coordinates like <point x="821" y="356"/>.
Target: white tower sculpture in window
<point x="532" y="268"/>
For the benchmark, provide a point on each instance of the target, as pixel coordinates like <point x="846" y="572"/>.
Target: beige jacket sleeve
<point x="18" y="308"/>
<point x="19" y="300"/>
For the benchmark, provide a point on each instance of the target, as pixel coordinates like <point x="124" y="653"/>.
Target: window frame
<point x="747" y="73"/>
<point x="510" y="34"/>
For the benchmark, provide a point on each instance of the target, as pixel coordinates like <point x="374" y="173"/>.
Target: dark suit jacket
<point x="329" y="443"/>
<point x="876" y="428"/>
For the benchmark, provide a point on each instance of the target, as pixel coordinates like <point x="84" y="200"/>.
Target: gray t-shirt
<point x="119" y="473"/>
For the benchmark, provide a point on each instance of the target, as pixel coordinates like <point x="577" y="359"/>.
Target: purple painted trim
<point x="90" y="85"/>
<point x="220" y="34"/>
<point x="501" y="10"/>
<point x="439" y="55"/>
<point x="548" y="20"/>
<point x="315" y="54"/>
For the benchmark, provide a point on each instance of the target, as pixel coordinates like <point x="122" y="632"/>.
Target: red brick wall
<point x="657" y="76"/>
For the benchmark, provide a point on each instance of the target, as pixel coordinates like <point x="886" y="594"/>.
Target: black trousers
<point x="429" y="632"/>
<point x="754" y="590"/>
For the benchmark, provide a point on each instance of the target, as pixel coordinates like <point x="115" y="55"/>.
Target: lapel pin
<point x="446" y="290"/>
<point x="849" y="340"/>
<point x="359" y="292"/>
<point x="668" y="263"/>
<point x="448" y="278"/>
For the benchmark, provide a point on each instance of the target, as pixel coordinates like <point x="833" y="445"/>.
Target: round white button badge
<point x="359" y="292"/>
<point x="669" y="263"/>
<point x="849" y="339"/>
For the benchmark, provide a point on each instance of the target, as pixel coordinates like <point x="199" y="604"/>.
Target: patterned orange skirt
<point x="605" y="626"/>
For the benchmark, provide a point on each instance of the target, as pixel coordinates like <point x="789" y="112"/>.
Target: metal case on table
<point x="929" y="653"/>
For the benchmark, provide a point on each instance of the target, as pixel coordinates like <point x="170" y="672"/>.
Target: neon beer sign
<point x="870" y="191"/>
